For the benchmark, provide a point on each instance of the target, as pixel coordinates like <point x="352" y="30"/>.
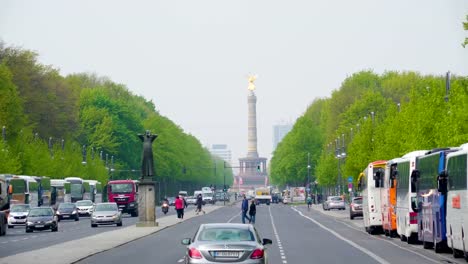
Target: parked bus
<point x="457" y="203"/>
<point x="4" y="196"/>
<point x="93" y="191"/>
<point x="406" y="201"/>
<point x="370" y="182"/>
<point x="58" y="192"/>
<point x="388" y="197"/>
<point x="76" y="188"/>
<point x="432" y="199"/>
<point x="44" y="190"/>
<point x="24" y="189"/>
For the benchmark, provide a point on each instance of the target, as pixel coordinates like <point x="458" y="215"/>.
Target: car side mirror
<point x="267" y="241"/>
<point x="186" y="241"/>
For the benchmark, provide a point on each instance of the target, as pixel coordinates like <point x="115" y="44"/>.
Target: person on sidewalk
<point x="199" y="204"/>
<point x="245" y="209"/>
<point x="179" y="205"/>
<point x="309" y="202"/>
<point x="252" y="211"/>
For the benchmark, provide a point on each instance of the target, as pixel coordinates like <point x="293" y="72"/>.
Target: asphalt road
<point x="17" y="240"/>
<point x="299" y="236"/>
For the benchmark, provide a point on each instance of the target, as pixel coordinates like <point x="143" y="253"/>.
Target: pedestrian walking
<point x="245" y="209"/>
<point x="179" y="205"/>
<point x="199" y="204"/>
<point x="252" y="211"/>
<point x="309" y="202"/>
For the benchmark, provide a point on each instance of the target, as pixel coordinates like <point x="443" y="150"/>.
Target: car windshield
<point x="226" y="234"/>
<point x="41" y="212"/>
<point x="84" y="203"/>
<point x="106" y="207"/>
<point x="20" y="208"/>
<point x="66" y="206"/>
<point x="336" y="199"/>
<point x="121" y="188"/>
<point x="357" y="201"/>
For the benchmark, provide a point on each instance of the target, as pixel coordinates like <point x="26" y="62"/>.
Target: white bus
<point x="370" y="182"/>
<point x="76" y="188"/>
<point x="406" y="200"/>
<point x="457" y="209"/>
<point x="58" y="193"/>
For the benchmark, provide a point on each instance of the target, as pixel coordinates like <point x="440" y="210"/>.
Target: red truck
<point x="125" y="194"/>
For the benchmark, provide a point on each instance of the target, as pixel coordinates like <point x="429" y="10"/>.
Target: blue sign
<point x="350" y="179"/>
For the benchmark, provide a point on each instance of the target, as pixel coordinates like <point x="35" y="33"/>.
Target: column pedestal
<point x="146" y="204"/>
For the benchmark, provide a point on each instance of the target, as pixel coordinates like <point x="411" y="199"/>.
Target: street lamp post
<point x="308" y="173"/>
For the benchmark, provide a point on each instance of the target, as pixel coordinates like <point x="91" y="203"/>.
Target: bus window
<point x="393" y="176"/>
<point x="414" y="179"/>
<point x="378" y="178"/>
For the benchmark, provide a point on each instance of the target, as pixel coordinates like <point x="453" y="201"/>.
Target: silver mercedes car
<point x="106" y="214"/>
<point x="226" y="243"/>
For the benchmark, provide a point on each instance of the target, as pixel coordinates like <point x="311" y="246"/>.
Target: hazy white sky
<point x="192" y="57"/>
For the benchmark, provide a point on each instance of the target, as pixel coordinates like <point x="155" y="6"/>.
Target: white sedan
<point x="85" y="207"/>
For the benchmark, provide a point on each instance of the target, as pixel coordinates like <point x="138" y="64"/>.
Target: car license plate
<point x="39" y="226"/>
<point x="226" y="254"/>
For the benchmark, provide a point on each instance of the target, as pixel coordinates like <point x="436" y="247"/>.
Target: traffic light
<point x="258" y="168"/>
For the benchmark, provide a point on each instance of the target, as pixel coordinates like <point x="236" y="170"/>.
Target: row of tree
<point x="372" y="117"/>
<point x="48" y="118"/>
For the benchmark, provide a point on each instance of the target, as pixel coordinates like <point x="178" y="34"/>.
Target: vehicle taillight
<point x="257" y="254"/>
<point x="194" y="253"/>
<point x="413" y="218"/>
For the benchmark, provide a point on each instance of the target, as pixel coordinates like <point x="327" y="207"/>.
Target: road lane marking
<point x="364" y="250"/>
<point x="280" y="247"/>
<point x="394" y="244"/>
<point x="232" y="218"/>
<point x="180" y="260"/>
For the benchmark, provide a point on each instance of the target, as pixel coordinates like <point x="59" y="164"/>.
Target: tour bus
<point x="431" y="198"/>
<point x="457" y="203"/>
<point x="370" y="182"/>
<point x="4" y="197"/>
<point x="388" y="197"/>
<point x="58" y="192"/>
<point x="76" y="188"/>
<point x="44" y="190"/>
<point x="406" y="201"/>
<point x="93" y="191"/>
<point x="24" y="189"/>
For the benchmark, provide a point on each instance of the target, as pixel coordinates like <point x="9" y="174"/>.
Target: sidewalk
<point x="75" y="250"/>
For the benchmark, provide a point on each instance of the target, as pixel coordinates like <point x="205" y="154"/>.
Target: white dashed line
<point x="283" y="257"/>
<point x="364" y="250"/>
<point x="180" y="260"/>
<point x="232" y="218"/>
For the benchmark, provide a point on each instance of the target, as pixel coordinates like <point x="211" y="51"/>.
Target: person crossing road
<point x="245" y="209"/>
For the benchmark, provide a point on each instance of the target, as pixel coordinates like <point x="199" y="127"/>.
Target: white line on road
<point x="180" y="260"/>
<point x="394" y="244"/>
<point x="283" y="257"/>
<point x="232" y="218"/>
<point x="364" y="250"/>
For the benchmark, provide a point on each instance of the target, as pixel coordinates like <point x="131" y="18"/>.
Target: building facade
<point x="279" y="132"/>
<point x="222" y="151"/>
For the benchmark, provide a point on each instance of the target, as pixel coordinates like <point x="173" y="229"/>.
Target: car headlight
<point x="74" y="212"/>
<point x="132" y="204"/>
<point x="29" y="223"/>
<point x="58" y="212"/>
<point x="49" y="222"/>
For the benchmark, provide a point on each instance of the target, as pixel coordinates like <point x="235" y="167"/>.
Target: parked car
<point x="18" y="215"/>
<point x="67" y="211"/>
<point x="85" y="207"/>
<point x="191" y="200"/>
<point x="106" y="214"/>
<point x="334" y="202"/>
<point x="355" y="208"/>
<point x="226" y="242"/>
<point x="41" y="218"/>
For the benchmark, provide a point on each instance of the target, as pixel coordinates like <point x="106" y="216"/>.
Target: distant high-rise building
<point x="279" y="131"/>
<point x="222" y="151"/>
